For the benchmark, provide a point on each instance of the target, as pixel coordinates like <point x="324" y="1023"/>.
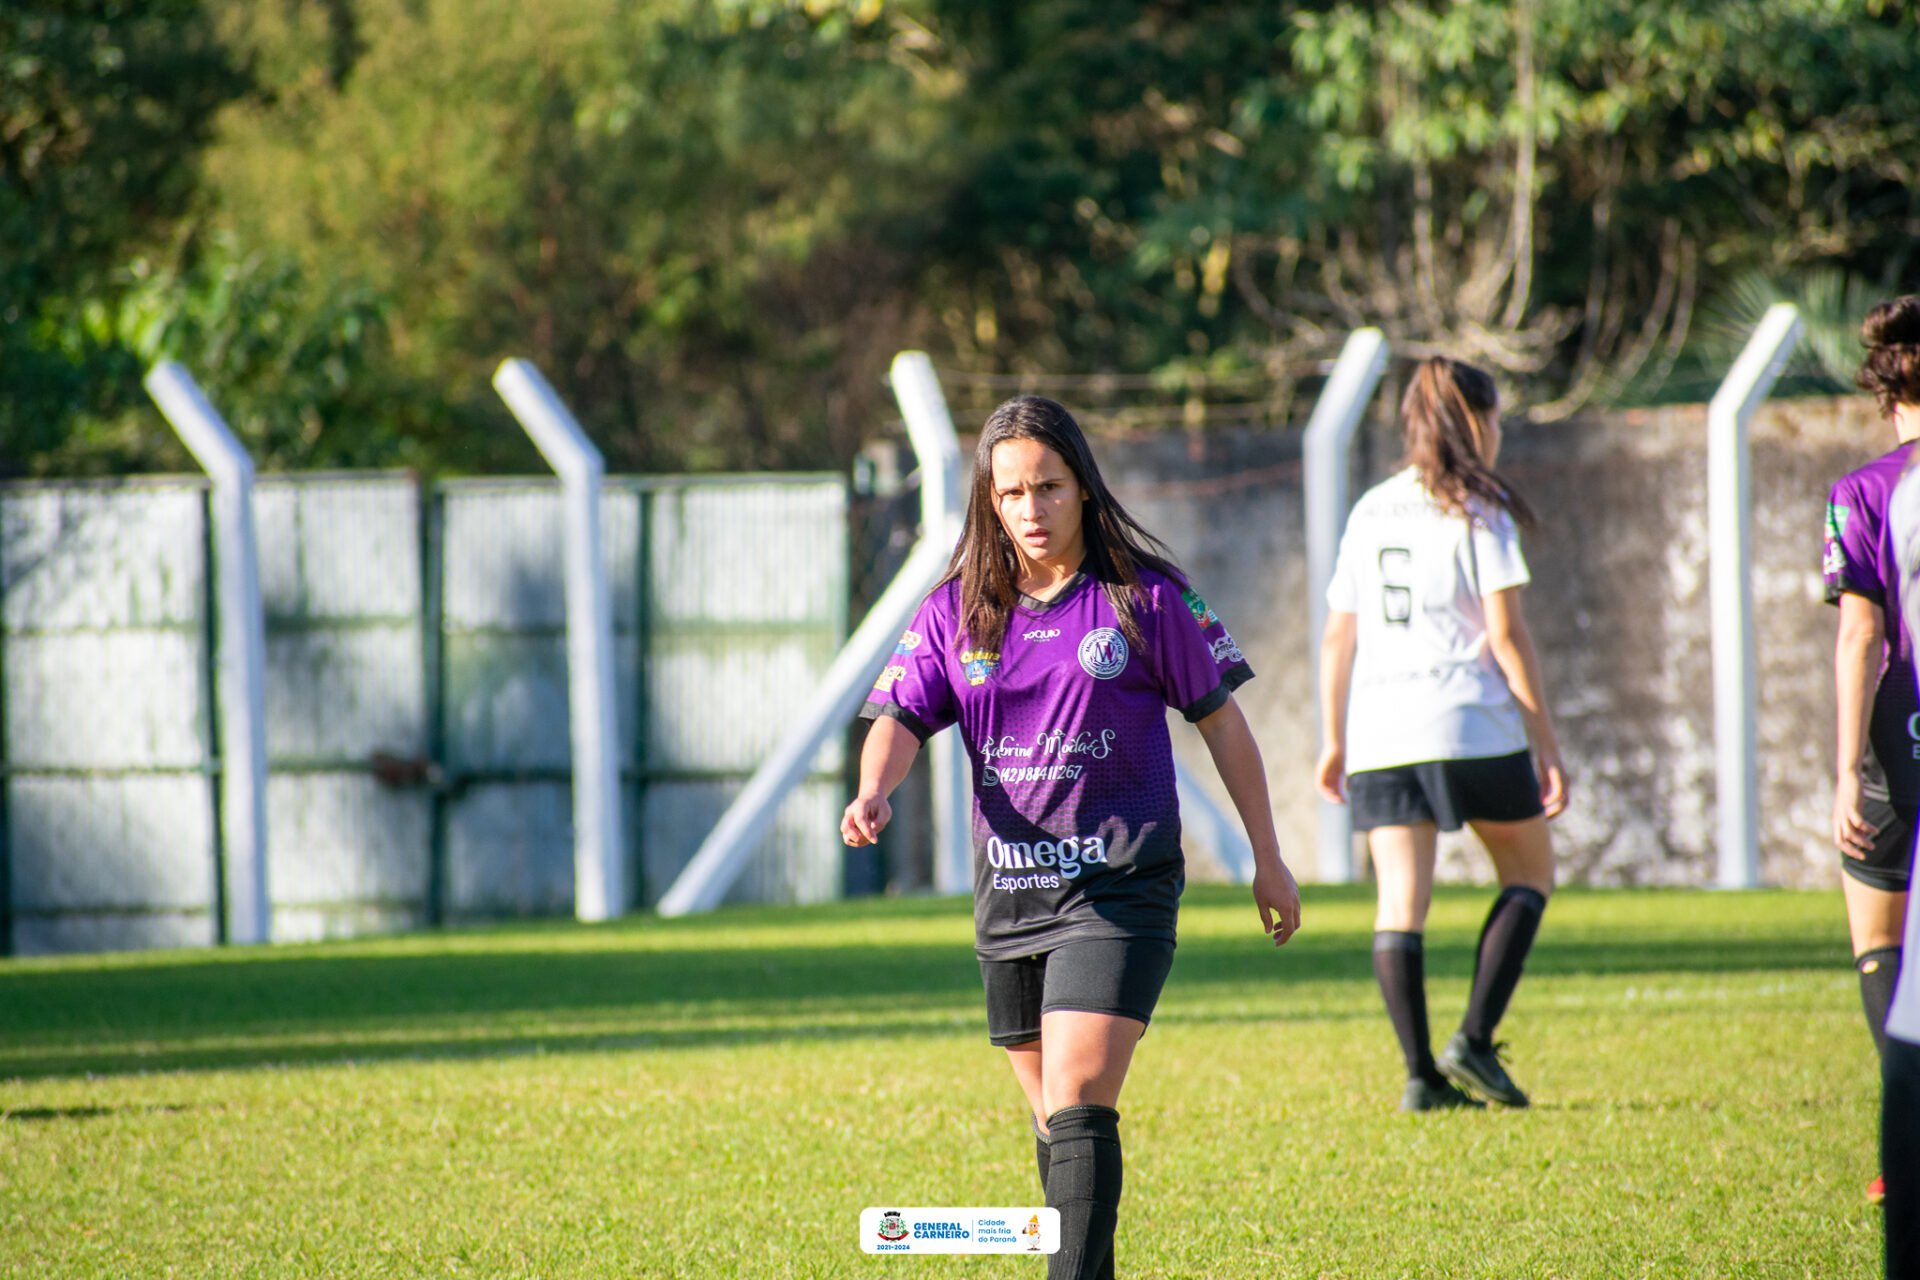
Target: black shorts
<point x="1888" y="866"/>
<point x="1120" y="976"/>
<point x="1450" y="793"/>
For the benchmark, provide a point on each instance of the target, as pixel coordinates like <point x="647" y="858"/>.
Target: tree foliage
<point x="712" y="221"/>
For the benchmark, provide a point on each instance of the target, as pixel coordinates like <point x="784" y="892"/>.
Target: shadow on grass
<point x="31" y="1115"/>
<point x="321" y="1005"/>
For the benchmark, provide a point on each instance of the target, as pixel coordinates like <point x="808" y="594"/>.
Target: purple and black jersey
<point x="1076" y="829"/>
<point x="1859" y="559"/>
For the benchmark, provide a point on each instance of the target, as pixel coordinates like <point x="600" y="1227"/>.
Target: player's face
<point x="1038" y="502"/>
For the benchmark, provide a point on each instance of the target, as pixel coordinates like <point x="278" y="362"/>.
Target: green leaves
<point x="713" y="222"/>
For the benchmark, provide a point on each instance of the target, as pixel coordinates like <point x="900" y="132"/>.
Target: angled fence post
<point x="599" y="849"/>
<point x="1329" y="438"/>
<point x="704" y="881"/>
<point x="942" y="511"/>
<point x="243" y="648"/>
<point x="1729" y="521"/>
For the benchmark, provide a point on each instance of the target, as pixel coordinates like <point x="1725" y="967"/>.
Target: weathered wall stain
<point x="1618" y="608"/>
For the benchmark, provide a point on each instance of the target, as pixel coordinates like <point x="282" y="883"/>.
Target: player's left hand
<point x="1278" y="898"/>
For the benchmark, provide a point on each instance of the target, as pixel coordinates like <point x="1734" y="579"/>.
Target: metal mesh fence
<point x="417" y="712"/>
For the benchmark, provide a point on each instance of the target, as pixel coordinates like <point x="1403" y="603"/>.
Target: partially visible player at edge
<point x="1057" y="641"/>
<point x="1429" y="694"/>
<point x="1876" y="792"/>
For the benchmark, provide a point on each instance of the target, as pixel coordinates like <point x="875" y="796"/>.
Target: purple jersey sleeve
<point x="913" y="688"/>
<point x="1850" y="561"/>
<point x="1198" y="663"/>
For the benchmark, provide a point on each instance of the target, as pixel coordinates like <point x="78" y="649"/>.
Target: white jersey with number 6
<point x="1425" y="685"/>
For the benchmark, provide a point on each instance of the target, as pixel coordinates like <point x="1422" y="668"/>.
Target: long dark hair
<point x="1891" y="370"/>
<point x="987" y="564"/>
<point x="1439" y="417"/>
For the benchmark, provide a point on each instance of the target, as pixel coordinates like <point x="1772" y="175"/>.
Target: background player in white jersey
<point x="1430" y="692"/>
<point x="1877" y="768"/>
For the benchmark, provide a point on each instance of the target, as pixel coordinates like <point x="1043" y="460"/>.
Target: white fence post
<point x="942" y="511"/>
<point x="1729" y="509"/>
<point x="1324" y="470"/>
<point x="704" y="881"/>
<point x="243" y="648"/>
<point x="599" y="849"/>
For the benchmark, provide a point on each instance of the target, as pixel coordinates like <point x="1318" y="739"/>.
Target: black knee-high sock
<point x="1084" y="1175"/>
<point x="1900" y="1156"/>
<point x="1505" y="940"/>
<point x="1400" y="967"/>
<point x="1879" y="969"/>
<point x="1042" y="1154"/>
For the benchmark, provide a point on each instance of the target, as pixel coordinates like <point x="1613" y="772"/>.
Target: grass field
<point x="721" y="1096"/>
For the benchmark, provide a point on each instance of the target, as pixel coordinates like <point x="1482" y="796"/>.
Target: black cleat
<point x="1480" y="1071"/>
<point x="1421" y="1096"/>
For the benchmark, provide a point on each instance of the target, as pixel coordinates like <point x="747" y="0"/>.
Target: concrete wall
<point x="1618" y="609"/>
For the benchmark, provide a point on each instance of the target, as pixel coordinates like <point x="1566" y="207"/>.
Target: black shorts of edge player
<point x="1886" y="866"/>
<point x="1120" y="976"/>
<point x="1449" y="793"/>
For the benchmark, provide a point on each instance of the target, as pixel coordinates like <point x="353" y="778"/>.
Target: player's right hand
<point x="1330" y="775"/>
<point x="1852" y="833"/>
<point x="1553" y="784"/>
<point x="865" y="819"/>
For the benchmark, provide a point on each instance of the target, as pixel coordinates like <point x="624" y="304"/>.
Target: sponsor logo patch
<point x="1103" y="653"/>
<point x="1833" y="560"/>
<point x="909" y="641"/>
<point x="1225" y="650"/>
<point x="1201" y="613"/>
<point x="979" y="664"/>
<point x="1038" y="636"/>
<point x="885" y="683"/>
<point x="1052" y="862"/>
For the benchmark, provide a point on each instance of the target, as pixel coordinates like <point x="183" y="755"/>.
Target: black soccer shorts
<point x="1121" y="976"/>
<point x="1886" y="866"/>
<point x="1450" y="793"/>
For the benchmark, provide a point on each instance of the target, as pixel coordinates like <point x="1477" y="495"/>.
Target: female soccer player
<point x="1877" y="768"/>
<point x="1057" y="641"/>
<point x="1429" y="693"/>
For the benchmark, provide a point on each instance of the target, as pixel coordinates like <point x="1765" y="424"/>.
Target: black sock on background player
<point x="1400" y="967"/>
<point x="1084" y="1177"/>
<point x="1900" y="1157"/>
<point x="1505" y="940"/>
<point x="1879" y="969"/>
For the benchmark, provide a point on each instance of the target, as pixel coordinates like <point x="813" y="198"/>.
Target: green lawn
<point x="721" y="1097"/>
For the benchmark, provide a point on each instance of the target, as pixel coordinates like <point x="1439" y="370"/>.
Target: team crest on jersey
<point x="1201" y="613"/>
<point x="979" y="664"/>
<point x="1103" y="653"/>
